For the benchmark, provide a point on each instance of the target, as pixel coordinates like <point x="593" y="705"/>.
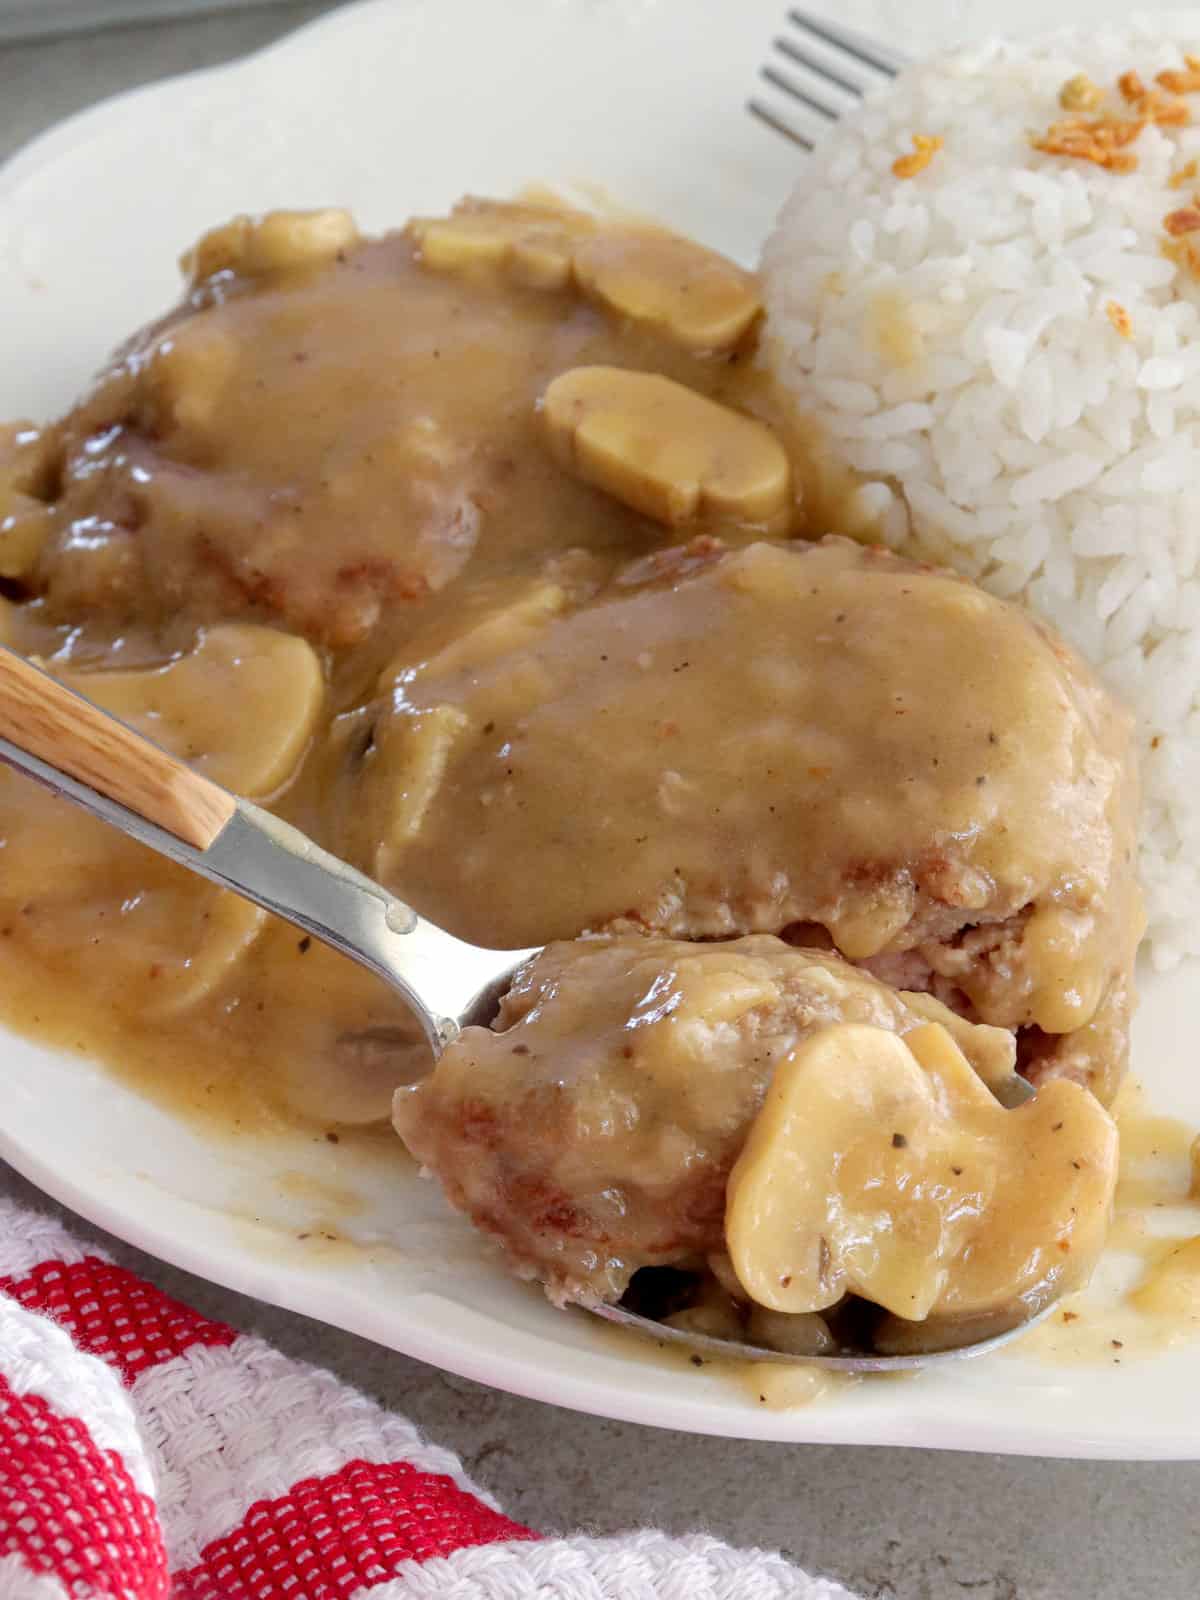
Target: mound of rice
<point x="1000" y="347"/>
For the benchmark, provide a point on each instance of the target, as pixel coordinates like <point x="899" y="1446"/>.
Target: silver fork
<point x="818" y="69"/>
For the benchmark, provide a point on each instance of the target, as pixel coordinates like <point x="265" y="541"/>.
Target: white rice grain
<point x="1027" y="441"/>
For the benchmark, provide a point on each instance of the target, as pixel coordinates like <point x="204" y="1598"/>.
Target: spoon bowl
<point x="704" y="1344"/>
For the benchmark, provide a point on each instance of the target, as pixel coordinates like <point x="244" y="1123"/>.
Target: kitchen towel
<point x="148" y="1452"/>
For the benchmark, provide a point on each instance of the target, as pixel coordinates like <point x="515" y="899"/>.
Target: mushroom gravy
<point x="480" y="553"/>
<point x="332" y="446"/>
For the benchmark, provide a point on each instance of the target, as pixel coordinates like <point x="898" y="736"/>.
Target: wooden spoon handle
<point x="68" y="732"/>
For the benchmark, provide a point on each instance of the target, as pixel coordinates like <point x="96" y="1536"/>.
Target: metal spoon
<point x="73" y="747"/>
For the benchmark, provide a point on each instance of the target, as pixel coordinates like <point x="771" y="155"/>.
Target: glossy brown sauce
<point x="474" y="551"/>
<point x="731" y="741"/>
<point x="335" y="491"/>
<point x="348" y="451"/>
<point x="1150" y="1300"/>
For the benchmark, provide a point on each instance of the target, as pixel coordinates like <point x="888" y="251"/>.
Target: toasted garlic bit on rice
<point x="1103" y="140"/>
<point x="1184" y="176"/>
<point x="1150" y="104"/>
<point x="1119" y="317"/>
<point x="1182" y="82"/>
<point x="1164" y="112"/>
<point x="1180" y="246"/>
<point x="1184" y="252"/>
<point x="923" y="151"/>
<point x="1185" y="220"/>
<point x="1100" y="140"/>
<point x="1080" y="94"/>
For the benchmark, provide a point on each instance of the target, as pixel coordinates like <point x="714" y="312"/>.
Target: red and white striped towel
<point x="147" y="1452"/>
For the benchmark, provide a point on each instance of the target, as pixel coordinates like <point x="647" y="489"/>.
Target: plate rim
<point x="65" y="136"/>
<point x="291" y="1289"/>
<point x="285" y="1288"/>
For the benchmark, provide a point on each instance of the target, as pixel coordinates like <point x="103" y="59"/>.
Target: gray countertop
<point x="901" y="1524"/>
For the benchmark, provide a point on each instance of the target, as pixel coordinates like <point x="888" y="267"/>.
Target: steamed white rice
<point x="951" y="332"/>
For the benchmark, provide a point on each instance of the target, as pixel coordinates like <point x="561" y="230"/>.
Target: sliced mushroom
<point x="410" y="749"/>
<point x="713" y="1313"/>
<point x="280" y="241"/>
<point x="1171" y="1289"/>
<point x="175" y="939"/>
<point x="992" y="1052"/>
<point x="1069" y="990"/>
<point x="499" y="629"/>
<point x="885" y="1168"/>
<point x="241" y="707"/>
<point x="25" y="525"/>
<point x="793" y="1335"/>
<point x="189" y="374"/>
<point x="533" y="244"/>
<point x="25" y="518"/>
<point x="666" y="451"/>
<point x="697" y="298"/>
<point x="204" y="934"/>
<point x="367" y="1065"/>
<point x="407" y="768"/>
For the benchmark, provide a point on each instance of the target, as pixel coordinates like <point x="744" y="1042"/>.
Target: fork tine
<point x="869" y="53"/>
<point x="756" y="108"/>
<point x="794" y="53"/>
<point x="817" y="67"/>
<point x="789" y="86"/>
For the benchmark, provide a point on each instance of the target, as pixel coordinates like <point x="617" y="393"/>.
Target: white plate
<point x="395" y="107"/>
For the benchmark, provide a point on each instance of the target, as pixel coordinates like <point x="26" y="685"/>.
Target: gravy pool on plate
<point x="476" y="551"/>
